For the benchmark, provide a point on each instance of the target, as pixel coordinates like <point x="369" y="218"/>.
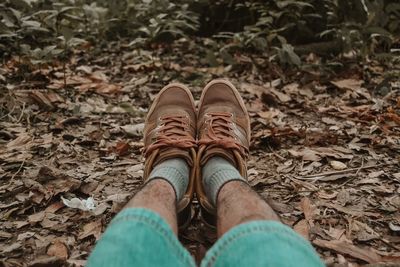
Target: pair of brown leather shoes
<point x="175" y="129"/>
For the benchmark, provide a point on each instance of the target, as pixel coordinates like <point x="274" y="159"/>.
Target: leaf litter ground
<point x="325" y="151"/>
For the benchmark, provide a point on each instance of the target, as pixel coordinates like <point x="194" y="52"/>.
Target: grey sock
<point x="176" y="172"/>
<point x="215" y="174"/>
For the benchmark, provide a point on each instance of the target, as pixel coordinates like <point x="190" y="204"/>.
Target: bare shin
<point x="237" y="203"/>
<point x="159" y="196"/>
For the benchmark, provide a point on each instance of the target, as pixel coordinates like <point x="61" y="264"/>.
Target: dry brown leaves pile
<point x="325" y="154"/>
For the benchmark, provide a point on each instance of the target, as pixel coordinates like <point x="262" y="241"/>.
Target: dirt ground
<point x="324" y="152"/>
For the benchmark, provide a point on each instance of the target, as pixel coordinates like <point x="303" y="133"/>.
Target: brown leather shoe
<point x="223" y="129"/>
<point x="170" y="132"/>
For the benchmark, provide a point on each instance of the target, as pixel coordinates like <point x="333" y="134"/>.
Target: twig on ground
<point x="275" y="154"/>
<point x="362" y="165"/>
<point x="19" y="169"/>
<point x="352" y="178"/>
<point x="387" y="242"/>
<point x="9" y="113"/>
<point x="318" y="175"/>
<point x="22" y="112"/>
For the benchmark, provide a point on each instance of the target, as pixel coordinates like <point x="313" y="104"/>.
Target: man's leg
<point x="250" y="232"/>
<point x="144" y="232"/>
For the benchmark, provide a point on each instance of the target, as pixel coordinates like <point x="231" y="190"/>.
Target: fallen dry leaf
<point x="42" y="99"/>
<point x="119" y="198"/>
<point x="376" y="174"/>
<point x="269" y="115"/>
<point x="351" y="84"/>
<point x="37" y="217"/>
<point x="305" y="154"/>
<point x="253" y="89"/>
<point x="20" y="142"/>
<point x="4" y="248"/>
<point x="53" y="208"/>
<point x="337" y="165"/>
<point x="122" y="148"/>
<point x="329" y="121"/>
<point x="5" y="235"/>
<point x="281" y="96"/>
<point x="58" y="249"/>
<point x="335" y="233"/>
<point x="133" y="130"/>
<point x="25" y="235"/>
<point x="303" y="228"/>
<point x="43" y="261"/>
<point x="107" y="88"/>
<point x="325" y="195"/>
<point x="394" y="228"/>
<point x="77" y="263"/>
<point x="349" y="249"/>
<point x="91" y="229"/>
<point x="308" y="210"/>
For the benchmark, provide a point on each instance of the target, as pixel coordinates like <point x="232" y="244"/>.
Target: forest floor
<point x="324" y="152"/>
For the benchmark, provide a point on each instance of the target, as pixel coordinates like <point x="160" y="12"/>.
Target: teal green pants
<point x="140" y="237"/>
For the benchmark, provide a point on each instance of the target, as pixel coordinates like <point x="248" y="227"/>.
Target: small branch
<point x="22" y="112"/>
<point x="362" y="166"/>
<point x="9" y="113"/>
<point x="313" y="176"/>
<point x="19" y="169"/>
<point x="275" y="154"/>
<point x="352" y="178"/>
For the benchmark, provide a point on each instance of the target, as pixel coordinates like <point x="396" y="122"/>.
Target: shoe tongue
<point x="218" y="152"/>
<point x="169" y="153"/>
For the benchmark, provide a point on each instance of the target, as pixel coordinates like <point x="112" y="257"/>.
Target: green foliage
<point x="361" y="26"/>
<point x="37" y="31"/>
<point x="155" y="21"/>
<point x="40" y="31"/>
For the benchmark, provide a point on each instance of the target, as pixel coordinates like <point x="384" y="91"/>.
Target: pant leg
<point x="139" y="237"/>
<point x="262" y="243"/>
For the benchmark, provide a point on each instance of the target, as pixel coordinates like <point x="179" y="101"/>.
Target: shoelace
<point x="220" y="133"/>
<point x="173" y="132"/>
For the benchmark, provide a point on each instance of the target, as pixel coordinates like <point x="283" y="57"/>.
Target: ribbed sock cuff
<point x="174" y="171"/>
<point x="216" y="173"/>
